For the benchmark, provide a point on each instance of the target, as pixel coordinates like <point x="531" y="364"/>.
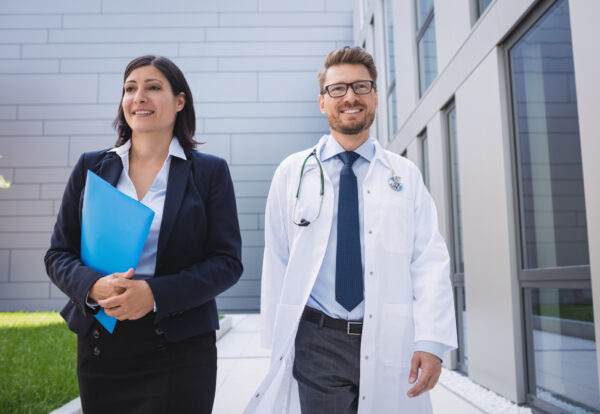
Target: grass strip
<point x="38" y="362"/>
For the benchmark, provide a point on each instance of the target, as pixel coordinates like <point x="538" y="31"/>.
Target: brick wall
<point x="252" y="68"/>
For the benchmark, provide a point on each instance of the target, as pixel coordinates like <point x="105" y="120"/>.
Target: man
<point x="356" y="299"/>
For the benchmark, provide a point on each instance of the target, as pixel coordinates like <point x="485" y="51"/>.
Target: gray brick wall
<point x="251" y="65"/>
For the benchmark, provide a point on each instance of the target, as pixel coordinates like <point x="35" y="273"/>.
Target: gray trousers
<point x="327" y="369"/>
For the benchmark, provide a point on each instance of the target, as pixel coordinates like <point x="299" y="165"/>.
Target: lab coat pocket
<point x="286" y="324"/>
<point x="397" y="224"/>
<point x="396" y="335"/>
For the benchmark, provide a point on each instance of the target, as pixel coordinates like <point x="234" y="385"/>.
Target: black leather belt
<point x="319" y="318"/>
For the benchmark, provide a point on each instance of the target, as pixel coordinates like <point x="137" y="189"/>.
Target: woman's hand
<point x="103" y="290"/>
<point x="135" y="301"/>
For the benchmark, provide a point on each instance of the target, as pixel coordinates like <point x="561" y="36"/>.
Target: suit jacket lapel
<point x="111" y="168"/>
<point x="176" y="185"/>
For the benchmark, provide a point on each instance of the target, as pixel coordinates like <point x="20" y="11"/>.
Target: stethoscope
<point x="395" y="182"/>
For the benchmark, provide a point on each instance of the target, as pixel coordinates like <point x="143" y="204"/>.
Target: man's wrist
<point x="431" y="347"/>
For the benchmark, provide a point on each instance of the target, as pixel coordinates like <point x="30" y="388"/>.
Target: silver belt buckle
<point x="348" y="328"/>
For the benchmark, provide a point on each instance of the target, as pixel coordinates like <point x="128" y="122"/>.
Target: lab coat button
<point x="364" y="397"/>
<point x="366" y="357"/>
<point x="370" y="316"/>
<point x="370" y="231"/>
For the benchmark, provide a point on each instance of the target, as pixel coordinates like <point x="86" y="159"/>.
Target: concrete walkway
<point x="242" y="364"/>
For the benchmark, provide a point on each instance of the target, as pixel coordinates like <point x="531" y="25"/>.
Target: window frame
<point x="420" y="33"/>
<point x="566" y="277"/>
<point x="457" y="278"/>
<point x="548" y="274"/>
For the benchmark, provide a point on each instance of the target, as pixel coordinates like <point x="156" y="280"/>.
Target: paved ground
<point x="242" y="364"/>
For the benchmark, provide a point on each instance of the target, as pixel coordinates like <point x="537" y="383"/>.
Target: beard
<point x="352" y="127"/>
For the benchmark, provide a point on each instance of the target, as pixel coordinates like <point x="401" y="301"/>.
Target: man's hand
<point x="103" y="290"/>
<point x="135" y="301"/>
<point x="431" y="368"/>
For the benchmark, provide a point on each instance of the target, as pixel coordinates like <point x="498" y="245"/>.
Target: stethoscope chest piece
<point x="395" y="182"/>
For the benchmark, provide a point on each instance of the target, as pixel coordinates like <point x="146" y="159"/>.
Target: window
<point x="426" y="44"/>
<point x="481" y="6"/>
<point x="425" y="157"/>
<point x="458" y="277"/>
<point x="553" y="249"/>
<point x="461" y="326"/>
<point x="455" y="186"/>
<point x="391" y="70"/>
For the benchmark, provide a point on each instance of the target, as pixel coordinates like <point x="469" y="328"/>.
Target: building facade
<point x="251" y="65"/>
<point x="495" y="101"/>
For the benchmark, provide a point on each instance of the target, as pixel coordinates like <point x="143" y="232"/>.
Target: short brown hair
<point x="185" y="122"/>
<point x="353" y="55"/>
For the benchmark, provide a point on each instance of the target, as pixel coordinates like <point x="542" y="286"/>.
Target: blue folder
<point x="114" y="228"/>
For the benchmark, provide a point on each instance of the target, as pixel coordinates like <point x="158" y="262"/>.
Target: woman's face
<point x="148" y="102"/>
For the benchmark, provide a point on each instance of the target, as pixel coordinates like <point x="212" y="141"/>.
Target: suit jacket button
<point x="96" y="334"/>
<point x="96" y="351"/>
<point x="159" y="331"/>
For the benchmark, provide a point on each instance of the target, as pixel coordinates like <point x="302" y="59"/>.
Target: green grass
<point x="582" y="312"/>
<point x="37" y="362"/>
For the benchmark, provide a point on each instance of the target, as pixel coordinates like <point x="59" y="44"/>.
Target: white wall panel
<point x="61" y="69"/>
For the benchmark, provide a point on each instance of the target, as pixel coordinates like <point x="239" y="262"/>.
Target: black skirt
<point x="135" y="370"/>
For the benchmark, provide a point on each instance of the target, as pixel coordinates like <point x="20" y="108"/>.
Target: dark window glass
<point x="551" y="197"/>
<point x="427" y="57"/>
<point x="562" y="350"/>
<point x="424" y="7"/>
<point x="389" y="31"/>
<point x="482" y="5"/>
<point x="391" y="70"/>
<point x="392" y="108"/>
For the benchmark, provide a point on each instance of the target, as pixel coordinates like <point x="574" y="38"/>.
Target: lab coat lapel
<point x="176" y="185"/>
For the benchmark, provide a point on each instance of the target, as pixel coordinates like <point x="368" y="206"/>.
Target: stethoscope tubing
<point x="394" y="182"/>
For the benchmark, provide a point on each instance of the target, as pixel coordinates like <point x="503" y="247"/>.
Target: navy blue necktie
<point x="348" y="265"/>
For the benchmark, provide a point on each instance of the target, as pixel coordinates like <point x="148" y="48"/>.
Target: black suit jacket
<point x="199" y="244"/>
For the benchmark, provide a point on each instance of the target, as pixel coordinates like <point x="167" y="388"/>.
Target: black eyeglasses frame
<point x="351" y="85"/>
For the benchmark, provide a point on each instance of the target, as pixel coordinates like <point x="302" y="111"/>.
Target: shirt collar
<point x="175" y="149"/>
<point x="332" y="148"/>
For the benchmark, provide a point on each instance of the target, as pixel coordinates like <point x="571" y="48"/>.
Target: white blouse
<point x="154" y="199"/>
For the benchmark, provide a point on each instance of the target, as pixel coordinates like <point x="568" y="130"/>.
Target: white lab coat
<point x="408" y="295"/>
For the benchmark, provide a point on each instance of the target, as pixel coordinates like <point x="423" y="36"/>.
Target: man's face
<point x="350" y="114"/>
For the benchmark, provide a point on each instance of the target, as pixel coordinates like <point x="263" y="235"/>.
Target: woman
<point x="161" y="357"/>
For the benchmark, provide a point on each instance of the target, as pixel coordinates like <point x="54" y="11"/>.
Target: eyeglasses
<point x="361" y="87"/>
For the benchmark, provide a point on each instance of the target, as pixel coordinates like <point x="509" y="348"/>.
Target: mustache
<point x="352" y="107"/>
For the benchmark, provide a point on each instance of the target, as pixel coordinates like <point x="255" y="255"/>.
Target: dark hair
<point x="353" y="55"/>
<point x="185" y="122"/>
